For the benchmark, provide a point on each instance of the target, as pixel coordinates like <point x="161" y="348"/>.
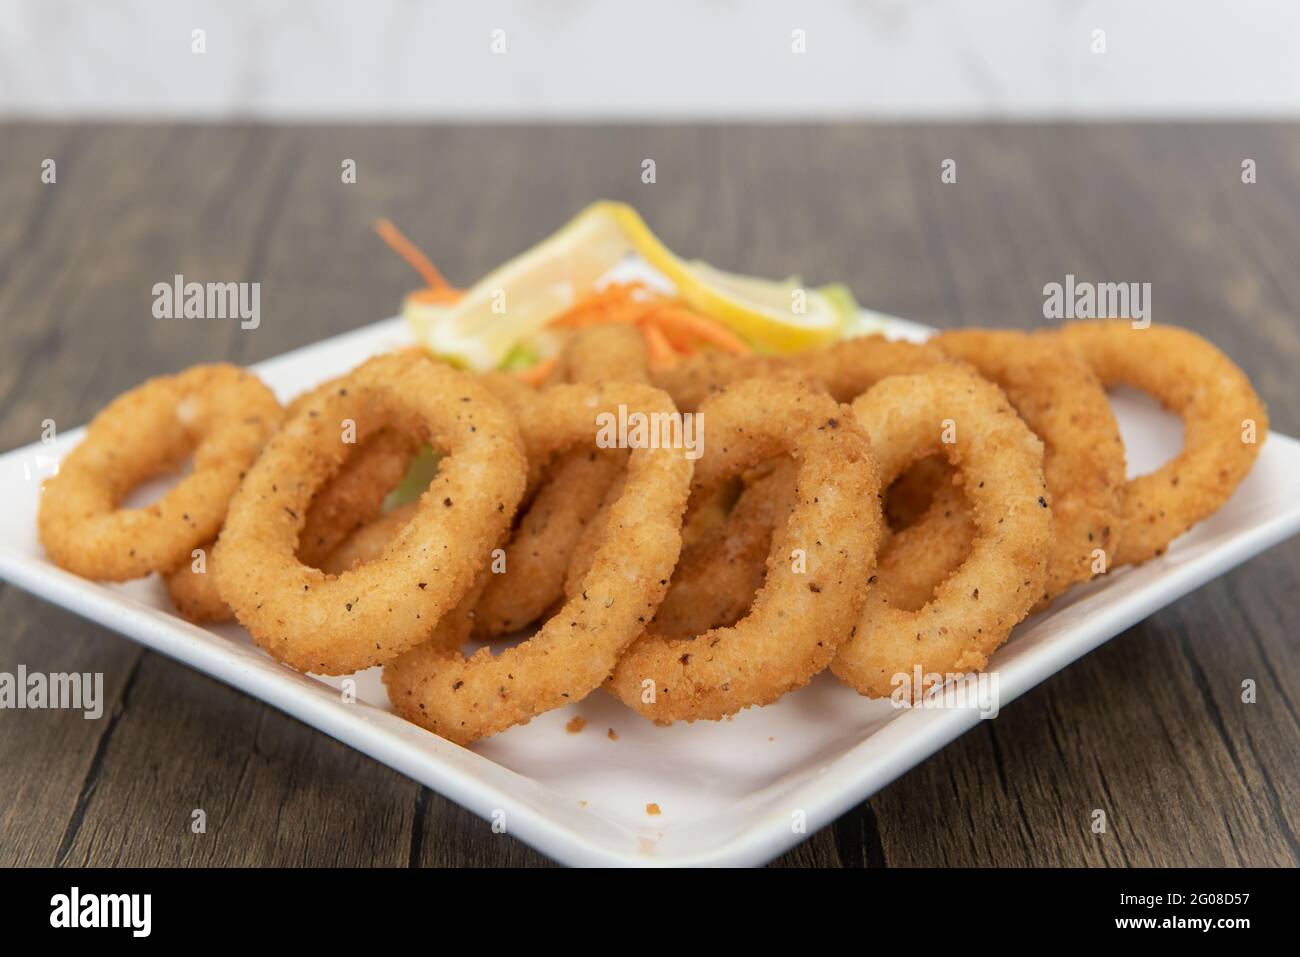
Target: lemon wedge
<point x="773" y="316"/>
<point x="516" y="300"/>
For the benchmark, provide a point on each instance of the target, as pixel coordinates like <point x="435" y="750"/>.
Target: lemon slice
<point x="516" y="300"/>
<point x="772" y="316"/>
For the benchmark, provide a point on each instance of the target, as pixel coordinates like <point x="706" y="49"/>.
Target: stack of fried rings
<point x="690" y="589"/>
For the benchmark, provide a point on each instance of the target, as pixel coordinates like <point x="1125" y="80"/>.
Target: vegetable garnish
<point x="536" y="374"/>
<point x="554" y="285"/>
<point x="671" y="329"/>
<point x="438" y="290"/>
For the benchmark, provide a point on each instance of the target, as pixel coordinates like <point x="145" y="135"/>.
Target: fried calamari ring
<point x="707" y="517"/>
<point x="336" y="625"/>
<point x="1000" y="460"/>
<point x="714" y="586"/>
<point x="368" y="542"/>
<point x="538" y="553"/>
<point x="193" y="589"/>
<point x="724" y="558"/>
<point x="219" y="413"/>
<point x="570" y="494"/>
<point x="691" y="381"/>
<point x="464" y="699"/>
<point x="1065" y="405"/>
<point x="350" y="499"/>
<point x="1224" y="425"/>
<point x="613" y="353"/>
<point x="356" y="494"/>
<point x="509" y="389"/>
<point x="517" y="396"/>
<point x="845" y="369"/>
<point x="584" y="549"/>
<point x="913" y="492"/>
<point x="719" y="574"/>
<point x="738" y="566"/>
<point x="817" y="570"/>
<point x="916" y="560"/>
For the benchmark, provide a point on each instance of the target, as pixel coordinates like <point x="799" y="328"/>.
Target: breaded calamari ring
<point x="610" y="353"/>
<point x="584" y="549"/>
<point x="1063" y="404"/>
<point x="569" y="495"/>
<point x="714" y="587"/>
<point x="350" y="499"/>
<point x="913" y="492"/>
<point x="538" y="552"/>
<point x="818" y="566"/>
<point x="706" y="517"/>
<point x="719" y="574"/>
<point x="845" y="370"/>
<point x="221" y="414"/>
<point x="1001" y="462"/>
<point x="517" y="396"/>
<point x="368" y="542"/>
<point x="916" y="560"/>
<point x="693" y="380"/>
<point x="1224" y="425"/>
<point x="356" y="494"/>
<point x="465" y="699"/>
<point x="193" y="589"/>
<point x="597" y="355"/>
<point x="339" y="624"/>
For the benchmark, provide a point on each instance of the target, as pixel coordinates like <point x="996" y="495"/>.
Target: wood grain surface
<point x="1150" y="728"/>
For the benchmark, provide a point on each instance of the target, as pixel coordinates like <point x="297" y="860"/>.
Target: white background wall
<point x="376" y="59"/>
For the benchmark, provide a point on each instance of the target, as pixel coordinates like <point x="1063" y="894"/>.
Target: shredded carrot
<point x="411" y="253"/>
<point x="615" y="303"/>
<point x="679" y="340"/>
<point x="535" y="374"/>
<point x="681" y="345"/>
<point x="662" y="354"/>
<point x="671" y="329"/>
<point x="435" y="296"/>
<point x="692" y="324"/>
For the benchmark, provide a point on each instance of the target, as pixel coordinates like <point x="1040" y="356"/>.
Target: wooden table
<point x="1149" y="728"/>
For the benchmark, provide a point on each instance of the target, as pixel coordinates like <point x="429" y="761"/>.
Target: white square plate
<point x="730" y="793"/>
